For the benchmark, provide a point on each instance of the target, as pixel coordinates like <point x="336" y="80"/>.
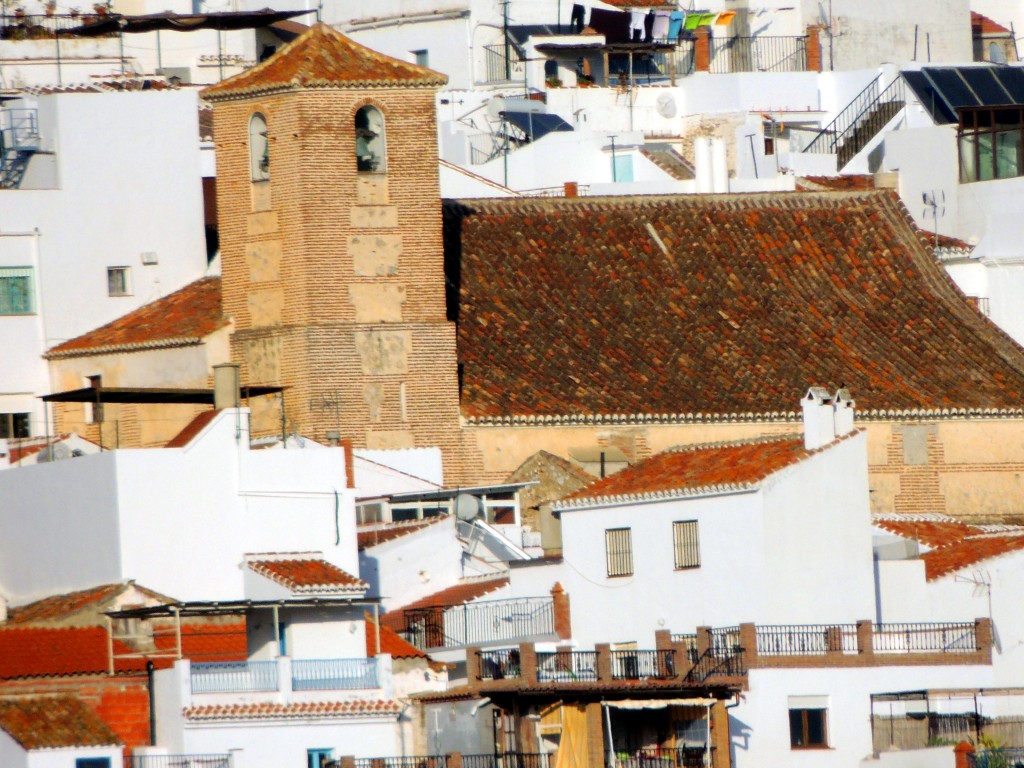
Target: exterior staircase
<point x="19" y="140"/>
<point x="860" y="121"/>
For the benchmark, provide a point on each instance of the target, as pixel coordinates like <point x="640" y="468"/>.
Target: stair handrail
<point x="828" y="139"/>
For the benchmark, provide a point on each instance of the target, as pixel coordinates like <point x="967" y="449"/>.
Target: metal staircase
<point x="860" y="121"/>
<point x="19" y="140"/>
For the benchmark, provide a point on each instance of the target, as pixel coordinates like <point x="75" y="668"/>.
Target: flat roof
<point x="228" y="607"/>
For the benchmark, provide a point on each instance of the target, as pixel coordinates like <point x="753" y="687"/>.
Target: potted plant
<point x="102" y="9"/>
<point x="75" y="12"/>
<point x="554" y="82"/>
<point x="51" y="7"/>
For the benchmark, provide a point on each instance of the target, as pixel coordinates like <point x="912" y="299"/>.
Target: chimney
<point x="703" y="170"/>
<point x="844" y="406"/>
<point x="572" y="189"/>
<point x="226" y="386"/>
<point x="819" y="418"/>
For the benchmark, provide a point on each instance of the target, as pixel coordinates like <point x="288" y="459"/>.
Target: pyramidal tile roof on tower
<point x="324" y="58"/>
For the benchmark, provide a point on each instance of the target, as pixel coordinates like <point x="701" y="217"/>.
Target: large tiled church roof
<point x="697" y="305"/>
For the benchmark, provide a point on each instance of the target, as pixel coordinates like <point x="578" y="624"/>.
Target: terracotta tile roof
<point x="321" y="57"/>
<point x="739" y="301"/>
<point x="183" y="318"/>
<point x="193" y="428"/>
<point x="390" y="642"/>
<point x="835" y="183"/>
<point x="383" y="534"/>
<point x="983" y="25"/>
<point x="53" y="722"/>
<point x="302" y="575"/>
<point x="932" y="531"/>
<point x="949" y="243"/>
<point x="205" y="641"/>
<point x="956" y="557"/>
<point x="57" y="652"/>
<point x="463" y="592"/>
<point x="304" y="710"/>
<point x="22" y="448"/>
<point x="62" y="606"/>
<point x="690" y="469"/>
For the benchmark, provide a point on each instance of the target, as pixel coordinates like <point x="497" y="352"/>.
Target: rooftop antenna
<point x="935" y="201"/>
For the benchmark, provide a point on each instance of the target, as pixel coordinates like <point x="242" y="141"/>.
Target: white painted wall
<point x="930" y="757"/>
<point x="12" y="755"/>
<point x="66" y="758"/>
<point x="446" y="40"/>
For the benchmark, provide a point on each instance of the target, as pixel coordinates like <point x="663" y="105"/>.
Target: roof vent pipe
<point x="226" y="386"/>
<point x="719" y="166"/>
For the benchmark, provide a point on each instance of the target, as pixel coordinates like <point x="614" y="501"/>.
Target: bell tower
<point x="331" y="244"/>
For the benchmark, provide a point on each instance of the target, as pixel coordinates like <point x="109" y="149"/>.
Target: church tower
<point x="331" y="244"/>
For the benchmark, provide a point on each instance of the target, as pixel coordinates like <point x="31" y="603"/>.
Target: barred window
<point x="618" y="545"/>
<point x="687" y="544"/>
<point x="17" y="296"/>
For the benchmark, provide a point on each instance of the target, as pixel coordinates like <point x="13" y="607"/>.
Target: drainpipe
<point x="152" y="701"/>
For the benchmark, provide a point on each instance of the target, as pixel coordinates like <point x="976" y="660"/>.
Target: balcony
<point x="283" y="679"/>
<point x="512" y="667"/>
<point x="178" y="761"/>
<point x="483" y="623"/>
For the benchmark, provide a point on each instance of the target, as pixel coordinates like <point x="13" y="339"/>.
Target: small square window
<point x="808" y="728"/>
<point x="92" y="762"/>
<point x="687" y="544"/>
<point x="422" y="57"/>
<point x="618" y="543"/>
<point x="14" y="425"/>
<point x="17" y="292"/>
<point x="119" y="281"/>
<point x="319" y="758"/>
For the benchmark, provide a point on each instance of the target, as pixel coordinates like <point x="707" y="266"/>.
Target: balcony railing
<point x="502" y="63"/>
<point x="925" y="638"/>
<point x="681" y="757"/>
<point x="490" y="621"/>
<point x="179" y="761"/>
<point x="638" y="665"/>
<point x="567" y="667"/>
<point x="806" y="639"/>
<point x="234" y="676"/>
<point x="1004" y="757"/>
<point x="428" y="761"/>
<point x="333" y="674"/>
<point x="758" y="54"/>
<point x="500" y="664"/>
<point x="508" y="760"/>
<point x="42" y="27"/>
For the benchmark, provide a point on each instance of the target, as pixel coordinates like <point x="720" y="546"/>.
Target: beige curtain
<point x="572" y="749"/>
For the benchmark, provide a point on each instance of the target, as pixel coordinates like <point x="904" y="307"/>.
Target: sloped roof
<point x="65" y="607"/>
<point x="699" y="307"/>
<point x="390" y="643"/>
<point x="204" y="641"/>
<point x="983" y="25"/>
<point x="191" y="430"/>
<point x="183" y="318"/>
<point x="457" y="594"/>
<point x="50" y="652"/>
<point x="930" y="530"/>
<point x="860" y="181"/>
<point x="322" y="57"/>
<point x="296" y="710"/>
<point x="970" y="551"/>
<point x="52" y="722"/>
<point x="302" y="575"/>
<point x="382" y="534"/>
<point x="689" y="470"/>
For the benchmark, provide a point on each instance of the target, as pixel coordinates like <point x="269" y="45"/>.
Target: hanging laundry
<point x="662" y="21"/>
<point x="636" y="25"/>
<point x="649" y="27"/>
<point x="725" y="19"/>
<point x="614" y="25"/>
<point x="676" y="19"/>
<point x="577" y="21"/>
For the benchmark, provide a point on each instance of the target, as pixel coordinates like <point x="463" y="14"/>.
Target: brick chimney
<point x="818" y="417"/>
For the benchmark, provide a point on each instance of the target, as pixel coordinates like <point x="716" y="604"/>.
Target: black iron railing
<point x="637" y="665"/>
<point x="1004" y="757"/>
<point x="429" y="761"/>
<point x="925" y="638"/>
<point x="727" y="663"/>
<point x="42" y="27"/>
<point x="758" y="54"/>
<point x="489" y="621"/>
<point x="178" y="761"/>
<point x="681" y="757"/>
<point x="806" y="639"/>
<point x="567" y="667"/>
<point x="507" y="760"/>
<point x="860" y="120"/>
<point x="500" y="664"/>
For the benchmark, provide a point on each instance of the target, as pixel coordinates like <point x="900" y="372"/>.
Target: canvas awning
<point x="182" y="22"/>
<point x="658" y="703"/>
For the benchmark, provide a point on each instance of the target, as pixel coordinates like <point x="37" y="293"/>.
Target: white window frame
<point x="126" y="288"/>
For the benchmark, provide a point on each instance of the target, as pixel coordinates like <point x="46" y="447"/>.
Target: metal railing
<point x="500" y="664"/>
<point x="490" y="621"/>
<point x="806" y="639"/>
<point x="582" y="190"/>
<point x="427" y="761"/>
<point x="725" y="641"/>
<point x="567" y="667"/>
<point x="758" y="54"/>
<point x="232" y="676"/>
<point x="508" y="760"/>
<point x="680" y="757"/>
<point x="501" y="63"/>
<point x="179" y="761"/>
<point x="333" y="674"/>
<point x="689" y="642"/>
<point x="925" y="638"/>
<point x="870" y="101"/>
<point x="1004" y="757"/>
<point x="19" y="129"/>
<point x="42" y="27"/>
<point x="637" y="665"/>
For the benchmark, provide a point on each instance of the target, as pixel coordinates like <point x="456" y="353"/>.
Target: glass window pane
<point x="16" y="291"/>
<point x="986" y="166"/>
<point x="796" y="727"/>
<point x="815" y="726"/>
<point x="1008" y="154"/>
<point x="968" y="158"/>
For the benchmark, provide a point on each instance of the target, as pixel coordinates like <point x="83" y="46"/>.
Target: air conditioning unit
<point x="149" y="258"/>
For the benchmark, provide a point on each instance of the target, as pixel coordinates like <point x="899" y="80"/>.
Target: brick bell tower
<point x="331" y="244"/>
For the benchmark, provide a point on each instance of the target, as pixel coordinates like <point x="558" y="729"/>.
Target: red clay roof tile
<point x="931" y="533"/>
<point x="190" y="430"/>
<point x="62" y="606"/>
<point x="732" y="308"/>
<point x="383" y="534"/>
<point x="391" y="643"/>
<point x="184" y="317"/>
<point x="322" y="57"/>
<point x="308" y="575"/>
<point x="983" y="25"/>
<point x="52" y="722"/>
<point x="956" y="557"/>
<point x="303" y="710"/>
<point x="38" y="652"/>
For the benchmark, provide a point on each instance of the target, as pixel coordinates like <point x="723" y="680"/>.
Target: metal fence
<point x="501" y="63"/>
<point x="870" y="101"/>
<point x="231" y="676"/>
<point x="428" y="761"/>
<point x="636" y="665"/>
<point x="758" y="54"/>
<point x="996" y="758"/>
<point x="333" y="674"/>
<point x="925" y="638"/>
<point x="806" y="639"/>
<point x="178" y="761"/>
<point x="490" y="621"/>
<point x="680" y="757"/>
<point x="725" y="641"/>
<point x="508" y="760"/>
<point x="499" y="664"/>
<point x="689" y="642"/>
<point x="567" y="667"/>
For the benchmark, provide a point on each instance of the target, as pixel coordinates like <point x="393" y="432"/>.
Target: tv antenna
<point x="934" y="201"/>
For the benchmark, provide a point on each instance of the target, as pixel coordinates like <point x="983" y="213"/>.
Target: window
<point x="14" y="425"/>
<point x="259" y="148"/>
<point x="119" y="281"/>
<point x="991" y="142"/>
<point x="687" y="544"/>
<point x="622" y="168"/>
<point x="370" y="151"/>
<point x="16" y="291"/>
<point x="92" y="762"/>
<point x="422" y="58"/>
<point x="618" y="546"/>
<point x="808" y="728"/>
<point x="318" y="758"/>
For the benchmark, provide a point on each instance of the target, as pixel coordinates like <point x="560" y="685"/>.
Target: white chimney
<point x="845" y="406"/>
<point x="719" y="166"/>
<point x="703" y="172"/>
<point x="226" y="386"/>
<point x="819" y="418"/>
<point x="5" y="454"/>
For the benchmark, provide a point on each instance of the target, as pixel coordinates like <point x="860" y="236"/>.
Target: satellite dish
<point x="467" y="507"/>
<point x="667" y="105"/>
<point x="495" y="107"/>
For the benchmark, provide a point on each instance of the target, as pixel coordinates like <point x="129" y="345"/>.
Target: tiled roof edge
<point x="268" y="90"/>
<point x="358" y="587"/>
<point x="575" y="419"/>
<point x="135" y="346"/>
<point x="677" y="493"/>
<point x="319" y="710"/>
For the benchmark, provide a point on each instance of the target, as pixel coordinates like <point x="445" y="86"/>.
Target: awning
<point x="181" y="22"/>
<point x="658" y="703"/>
<point x="534" y="125"/>
<point x="150" y="395"/>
